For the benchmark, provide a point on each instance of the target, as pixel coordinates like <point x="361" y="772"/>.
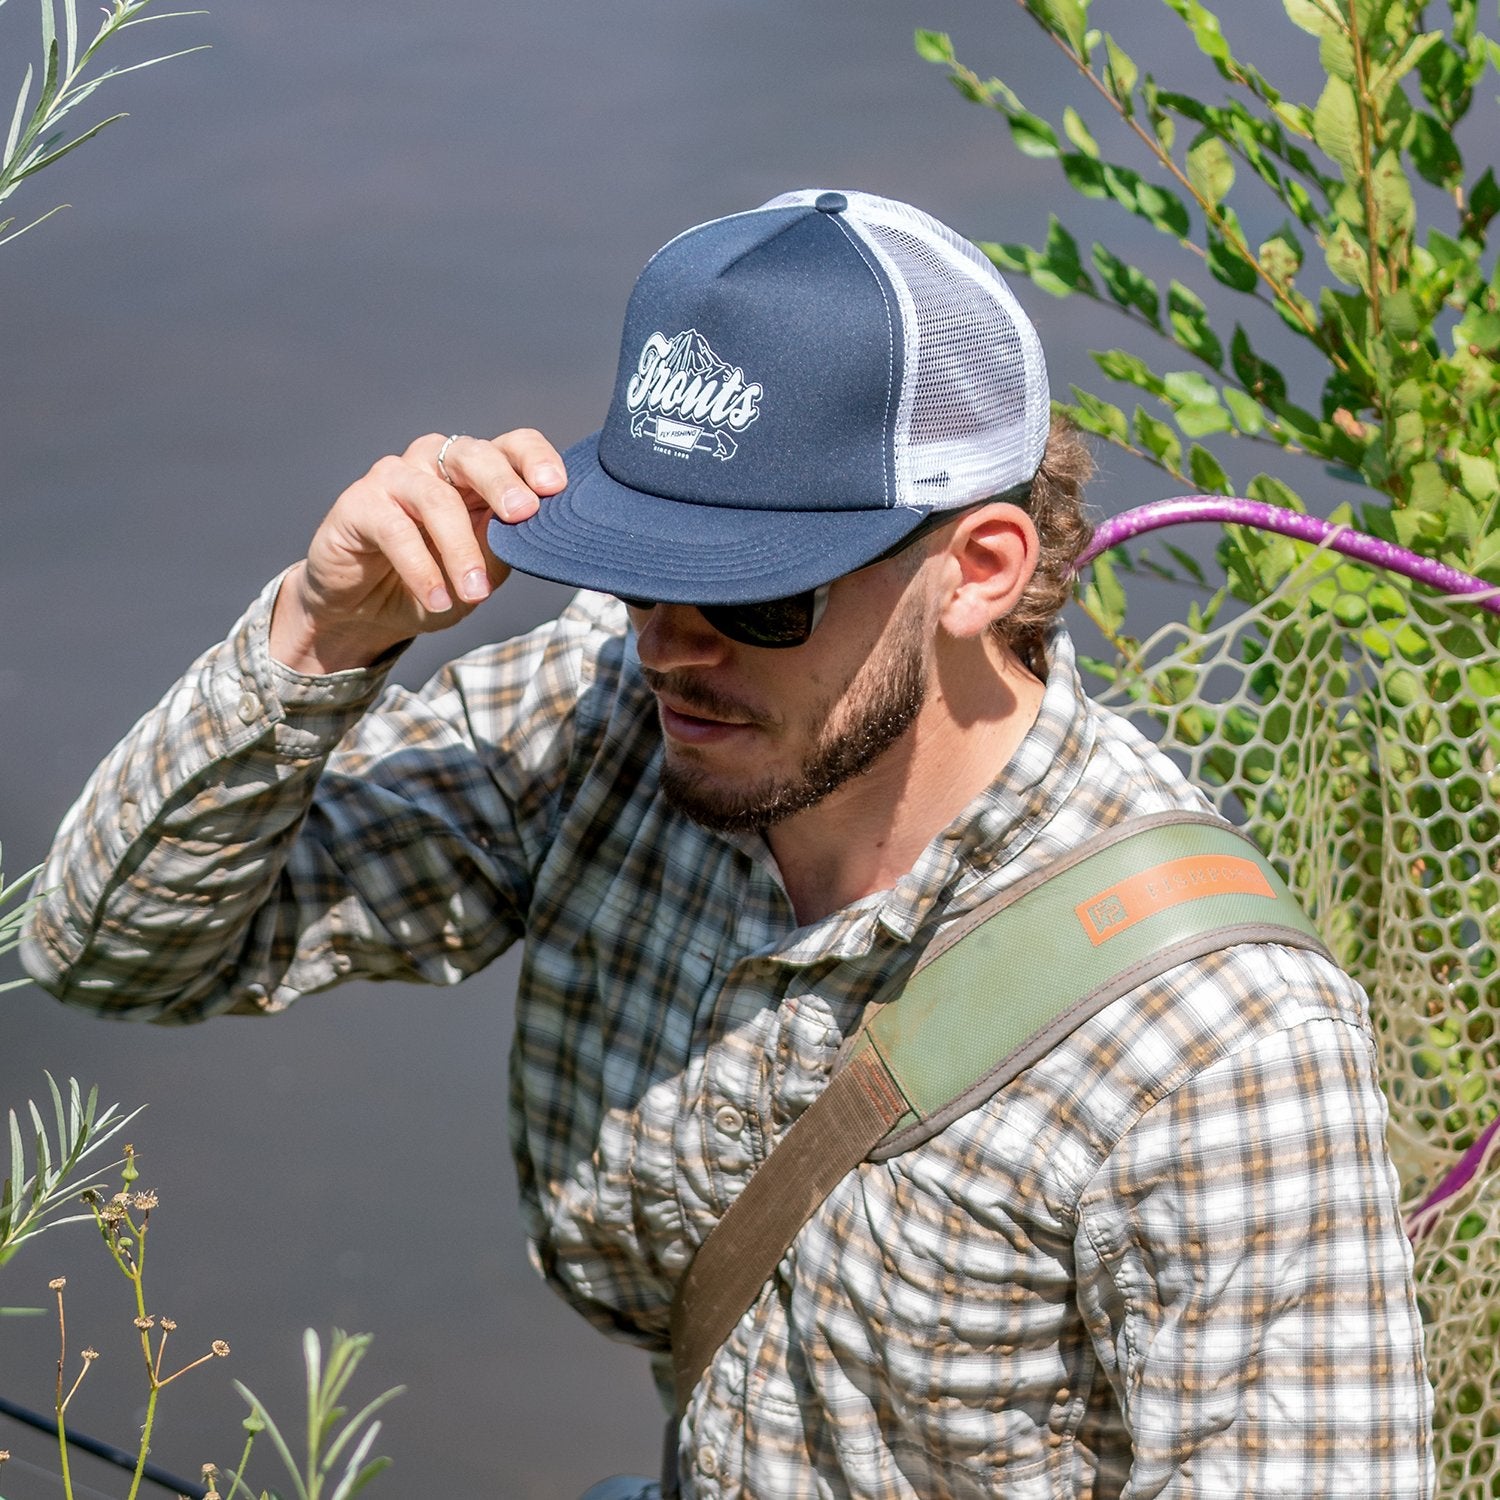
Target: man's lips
<point x="680" y="722"/>
<point x="698" y="713"/>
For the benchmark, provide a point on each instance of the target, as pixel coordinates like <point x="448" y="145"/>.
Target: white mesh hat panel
<point x="974" y="409"/>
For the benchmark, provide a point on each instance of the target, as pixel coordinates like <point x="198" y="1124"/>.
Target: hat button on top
<point x="830" y="203"/>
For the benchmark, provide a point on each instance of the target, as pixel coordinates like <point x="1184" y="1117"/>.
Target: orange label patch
<point x="1171" y="884"/>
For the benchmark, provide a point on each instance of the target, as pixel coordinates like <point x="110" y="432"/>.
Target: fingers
<point x="430" y="543"/>
<point x="404" y="549"/>
<point x="509" y="473"/>
<point x="504" y="477"/>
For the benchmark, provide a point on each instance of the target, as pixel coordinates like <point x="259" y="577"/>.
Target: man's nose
<point x="672" y="636"/>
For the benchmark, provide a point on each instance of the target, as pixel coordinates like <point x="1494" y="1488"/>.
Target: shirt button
<point x="249" y="707"/>
<point x="729" y="1120"/>
<point x="708" y="1461"/>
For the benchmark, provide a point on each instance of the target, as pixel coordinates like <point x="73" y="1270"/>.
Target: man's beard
<point x="858" y="727"/>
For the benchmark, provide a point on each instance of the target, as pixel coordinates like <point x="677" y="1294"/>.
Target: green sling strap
<point x="989" y="998"/>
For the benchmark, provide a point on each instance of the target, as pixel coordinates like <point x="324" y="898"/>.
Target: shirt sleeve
<point x="1247" y="1282"/>
<point x="261" y="834"/>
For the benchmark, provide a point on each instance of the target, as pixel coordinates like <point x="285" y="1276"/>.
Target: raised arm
<point x="275" y="824"/>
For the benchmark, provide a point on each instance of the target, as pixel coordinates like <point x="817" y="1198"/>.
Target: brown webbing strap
<point x="859" y="1105"/>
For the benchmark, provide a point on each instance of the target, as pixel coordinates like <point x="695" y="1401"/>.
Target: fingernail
<point x="438" y="600"/>
<point x="549" y="474"/>
<point x="476" y="585"/>
<point x="515" y="505"/>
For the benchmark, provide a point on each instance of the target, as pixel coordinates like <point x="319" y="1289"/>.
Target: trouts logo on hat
<point x="799" y="387"/>
<point x="683" y="392"/>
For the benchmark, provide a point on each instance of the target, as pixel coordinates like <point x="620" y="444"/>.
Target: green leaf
<point x="1208" y="475"/>
<point x="1161" y="209"/>
<point x="1200" y="419"/>
<point x="1158" y="440"/>
<point x="1429" y="490"/>
<point x="1384" y="77"/>
<point x="1186" y="387"/>
<point x="1336" y="124"/>
<point x="1280" y="256"/>
<point x="1336" y="54"/>
<point x="1130" y="287"/>
<point x="1119" y="365"/>
<point x="1120" y="74"/>
<point x="1479" y="476"/>
<point x="1188" y="318"/>
<point x="1399" y="310"/>
<point x="1229" y="266"/>
<point x="934" y="46"/>
<point x="1032" y="135"/>
<point x="1210" y="168"/>
<point x="1434" y="152"/>
<point x="1104" y="595"/>
<point x="1204" y="26"/>
<point x="1394" y="206"/>
<point x="1258" y="376"/>
<point x="1346" y="257"/>
<point x="1062" y="259"/>
<point x="1099" y="416"/>
<point x="1310" y="15"/>
<point x="1077" y="132"/>
<point x="1273" y="492"/>
<point x="1484" y="203"/>
<point x="1068" y="19"/>
<point x="1246" y="410"/>
<point x="16" y="119"/>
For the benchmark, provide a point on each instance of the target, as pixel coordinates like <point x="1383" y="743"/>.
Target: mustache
<point x="698" y="697"/>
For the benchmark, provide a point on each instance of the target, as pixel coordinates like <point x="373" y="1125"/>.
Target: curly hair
<point x="1056" y="508"/>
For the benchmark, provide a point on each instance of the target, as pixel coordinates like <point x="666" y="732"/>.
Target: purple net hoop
<point x="1461" y="587"/>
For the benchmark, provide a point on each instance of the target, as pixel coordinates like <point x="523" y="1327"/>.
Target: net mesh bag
<point x="1351" y="725"/>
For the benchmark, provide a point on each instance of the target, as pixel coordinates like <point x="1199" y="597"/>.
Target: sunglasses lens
<point x="772" y="625"/>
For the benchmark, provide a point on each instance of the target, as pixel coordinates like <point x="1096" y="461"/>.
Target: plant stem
<point x="145" y="1448"/>
<point x="238" y="1483"/>
<point x="1362" y="107"/>
<point x="62" y="1431"/>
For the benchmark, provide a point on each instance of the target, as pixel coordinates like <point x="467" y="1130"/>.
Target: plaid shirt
<point x="1166" y="1260"/>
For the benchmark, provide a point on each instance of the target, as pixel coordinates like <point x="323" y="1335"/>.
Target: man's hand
<point x="403" y="551"/>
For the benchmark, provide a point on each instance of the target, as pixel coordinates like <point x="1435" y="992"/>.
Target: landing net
<point x="1351" y="725"/>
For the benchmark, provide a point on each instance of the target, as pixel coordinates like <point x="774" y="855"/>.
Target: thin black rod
<point x="107" y="1451"/>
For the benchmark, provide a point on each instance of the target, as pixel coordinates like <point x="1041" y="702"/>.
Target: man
<point x="831" y="716"/>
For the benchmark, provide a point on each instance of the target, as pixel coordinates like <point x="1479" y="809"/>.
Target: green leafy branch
<point x="42" y="1181"/>
<point x="326" y="1441"/>
<point x="1401" y="413"/>
<point x="36" y="138"/>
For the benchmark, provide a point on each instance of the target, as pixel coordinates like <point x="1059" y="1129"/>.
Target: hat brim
<point x="600" y="534"/>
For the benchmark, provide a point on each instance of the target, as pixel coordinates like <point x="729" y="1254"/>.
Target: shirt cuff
<point x="308" y="713"/>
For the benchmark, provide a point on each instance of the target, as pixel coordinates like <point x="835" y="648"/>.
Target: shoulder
<point x="1199" y="1039"/>
<point x="1225" y="1032"/>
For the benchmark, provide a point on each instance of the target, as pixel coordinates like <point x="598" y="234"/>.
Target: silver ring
<point x="443" y="453"/>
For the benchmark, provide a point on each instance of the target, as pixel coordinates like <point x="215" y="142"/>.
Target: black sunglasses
<point x="775" y="624"/>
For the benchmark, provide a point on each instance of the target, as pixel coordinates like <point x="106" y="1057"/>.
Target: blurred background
<point x="345" y="225"/>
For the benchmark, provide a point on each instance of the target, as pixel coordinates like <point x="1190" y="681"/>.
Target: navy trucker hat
<point x="800" y="386"/>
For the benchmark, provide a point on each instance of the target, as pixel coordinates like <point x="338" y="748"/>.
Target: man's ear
<point x="989" y="561"/>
